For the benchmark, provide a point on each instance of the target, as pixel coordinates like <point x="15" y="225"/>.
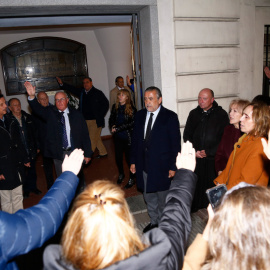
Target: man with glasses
<point x="66" y="130"/>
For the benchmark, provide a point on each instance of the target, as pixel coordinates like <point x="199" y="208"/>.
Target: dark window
<point x="40" y="60"/>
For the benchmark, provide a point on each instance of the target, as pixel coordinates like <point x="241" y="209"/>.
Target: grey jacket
<point x="166" y="243"/>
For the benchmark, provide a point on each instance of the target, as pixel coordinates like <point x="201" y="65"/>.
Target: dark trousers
<point x="121" y="147"/>
<point x="58" y="169"/>
<point x="48" y="170"/>
<point x="30" y="177"/>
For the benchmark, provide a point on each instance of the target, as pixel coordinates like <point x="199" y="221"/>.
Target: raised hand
<point x="266" y="145"/>
<point x="59" y="80"/>
<point x="186" y="160"/>
<point x="73" y="162"/>
<point x="31" y="90"/>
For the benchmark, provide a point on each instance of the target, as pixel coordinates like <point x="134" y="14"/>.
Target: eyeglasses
<point x="60" y="99"/>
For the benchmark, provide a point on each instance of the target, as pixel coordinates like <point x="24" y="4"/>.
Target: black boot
<point x="130" y="183"/>
<point x="120" y="178"/>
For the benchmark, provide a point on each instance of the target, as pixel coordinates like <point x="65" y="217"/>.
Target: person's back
<point x="100" y="232"/>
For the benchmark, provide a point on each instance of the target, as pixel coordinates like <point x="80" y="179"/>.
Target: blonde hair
<point x="240" y="104"/>
<point x="239" y="236"/>
<point x="100" y="230"/>
<point x="128" y="109"/>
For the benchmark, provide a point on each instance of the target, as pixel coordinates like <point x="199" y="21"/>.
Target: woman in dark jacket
<point x="231" y="134"/>
<point x="121" y="124"/>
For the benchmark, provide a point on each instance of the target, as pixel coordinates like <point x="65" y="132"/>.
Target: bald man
<point x="204" y="128"/>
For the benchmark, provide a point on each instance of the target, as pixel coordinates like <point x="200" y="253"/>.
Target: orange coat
<point x="250" y="164"/>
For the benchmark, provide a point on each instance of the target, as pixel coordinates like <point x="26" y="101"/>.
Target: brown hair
<point x="128" y="109"/>
<point x="239" y="236"/>
<point x="100" y="230"/>
<point x="261" y="118"/>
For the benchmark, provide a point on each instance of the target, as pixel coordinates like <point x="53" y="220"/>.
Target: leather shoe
<point x="129" y="184"/>
<point x="120" y="178"/>
<point x="101" y="156"/>
<point x="36" y="191"/>
<point x="149" y="227"/>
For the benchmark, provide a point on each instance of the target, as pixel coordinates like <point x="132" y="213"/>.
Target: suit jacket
<point x="162" y="148"/>
<point x="79" y="135"/>
<point x="99" y="103"/>
<point x="113" y="95"/>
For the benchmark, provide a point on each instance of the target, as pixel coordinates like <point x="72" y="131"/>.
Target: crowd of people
<point x="219" y="148"/>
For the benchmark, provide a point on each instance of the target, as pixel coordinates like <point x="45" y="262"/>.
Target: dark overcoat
<point x="98" y="103"/>
<point x="12" y="154"/>
<point x="163" y="147"/>
<point x="54" y="135"/>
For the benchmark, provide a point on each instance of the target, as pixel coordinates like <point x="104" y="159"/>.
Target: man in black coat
<point x="41" y="125"/>
<point x="94" y="106"/>
<point x="28" y="134"/>
<point x="204" y="128"/>
<point x="155" y="143"/>
<point x="66" y="130"/>
<point x="12" y="157"/>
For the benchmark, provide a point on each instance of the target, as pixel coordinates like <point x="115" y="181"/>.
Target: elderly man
<point x="119" y="84"/>
<point x="204" y="128"/>
<point x="155" y="143"/>
<point x="28" y="135"/>
<point x="66" y="130"/>
<point x="41" y="125"/>
<point x="94" y="106"/>
<point x="12" y="157"/>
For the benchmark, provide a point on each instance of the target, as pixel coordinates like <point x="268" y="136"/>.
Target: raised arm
<point x="31" y="90"/>
<point x="176" y="221"/>
<point x="72" y="89"/>
<point x="30" y="228"/>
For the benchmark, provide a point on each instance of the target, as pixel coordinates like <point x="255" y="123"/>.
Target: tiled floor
<point x="104" y="168"/>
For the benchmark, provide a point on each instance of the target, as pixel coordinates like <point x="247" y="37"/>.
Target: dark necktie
<point x="65" y="139"/>
<point x="149" y="125"/>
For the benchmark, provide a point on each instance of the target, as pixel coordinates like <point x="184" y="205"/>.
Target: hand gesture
<point x="186" y="160"/>
<point x="31" y="90"/>
<point x="2" y="177"/>
<point x="128" y="80"/>
<point x="73" y="162"/>
<point x="267" y="72"/>
<point x="59" y="80"/>
<point x="266" y="146"/>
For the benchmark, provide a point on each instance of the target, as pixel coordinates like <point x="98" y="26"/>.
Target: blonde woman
<point x="100" y="232"/>
<point x="231" y="134"/>
<point x="121" y="123"/>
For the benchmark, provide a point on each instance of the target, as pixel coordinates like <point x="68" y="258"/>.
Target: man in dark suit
<point x="66" y="130"/>
<point x="155" y="143"/>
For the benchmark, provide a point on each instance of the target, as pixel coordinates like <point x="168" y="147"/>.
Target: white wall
<point x="106" y="56"/>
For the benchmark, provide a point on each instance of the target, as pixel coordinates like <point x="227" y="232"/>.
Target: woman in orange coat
<point x="248" y="163"/>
